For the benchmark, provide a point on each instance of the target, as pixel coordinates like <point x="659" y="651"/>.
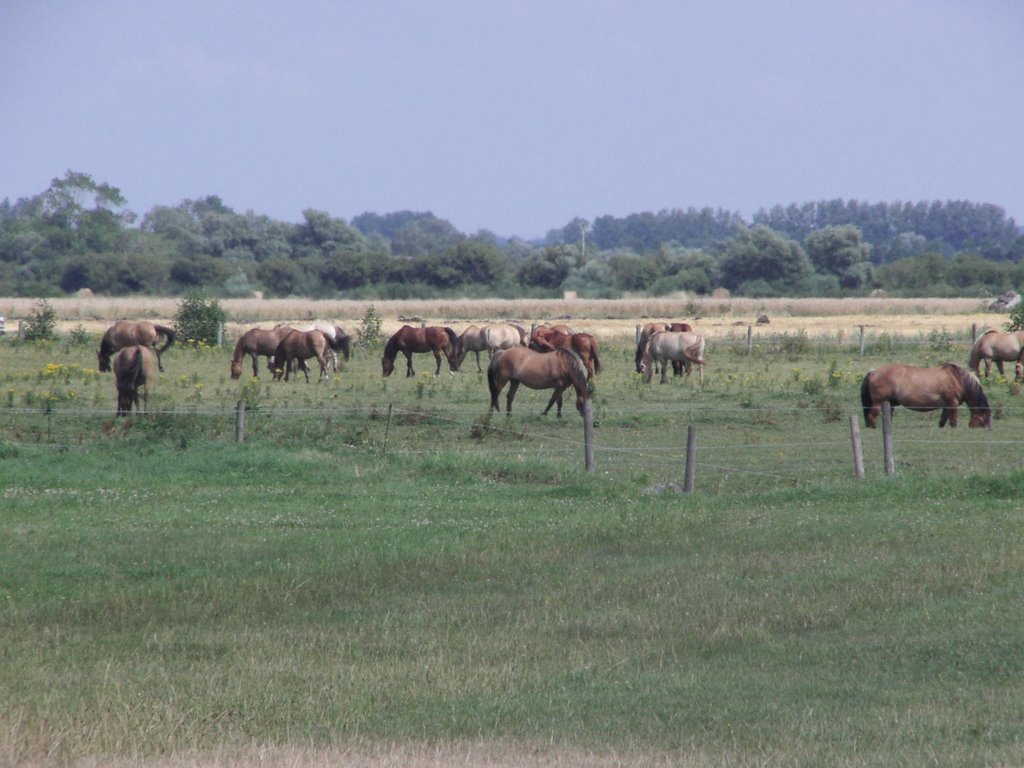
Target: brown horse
<point x="925" y="389"/>
<point x="433" y="338"/>
<point x="556" y="370"/>
<point x="295" y="348"/>
<point x="125" y="333"/>
<point x="337" y="339"/>
<point x="684" y="347"/>
<point x="997" y="347"/>
<point x="257" y="342"/>
<point x="133" y="374"/>
<point x="583" y="344"/>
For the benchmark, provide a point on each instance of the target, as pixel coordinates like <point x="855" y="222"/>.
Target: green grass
<point x="164" y="590"/>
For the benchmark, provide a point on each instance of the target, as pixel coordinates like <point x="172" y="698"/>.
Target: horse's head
<point x="387" y="365"/>
<point x="980" y="417"/>
<point x="104" y="353"/>
<point x="236" y="368"/>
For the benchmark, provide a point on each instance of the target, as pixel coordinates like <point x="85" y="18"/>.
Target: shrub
<point x="370" y="327"/>
<point x="199" y="320"/>
<point x="1016" y="321"/>
<point x="41" y="323"/>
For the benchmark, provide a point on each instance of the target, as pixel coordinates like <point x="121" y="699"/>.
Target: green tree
<point x="839" y="251"/>
<point x="766" y="262"/>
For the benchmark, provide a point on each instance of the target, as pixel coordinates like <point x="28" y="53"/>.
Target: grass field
<point x="383" y="574"/>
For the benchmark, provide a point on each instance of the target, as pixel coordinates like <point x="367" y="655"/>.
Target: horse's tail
<point x="594" y="357"/>
<point x="974" y="357"/>
<point x="167" y="333"/>
<point x="492" y="380"/>
<point x="128" y="377"/>
<point x="865" y="395"/>
<point x="695" y="352"/>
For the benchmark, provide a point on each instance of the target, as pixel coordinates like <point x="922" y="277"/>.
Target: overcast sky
<point x="515" y="116"/>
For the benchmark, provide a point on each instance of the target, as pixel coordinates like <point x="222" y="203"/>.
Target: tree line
<point x="79" y="234"/>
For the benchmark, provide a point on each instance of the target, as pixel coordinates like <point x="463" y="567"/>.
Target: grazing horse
<point x="257" y="342"/>
<point x="684" y="347"/>
<point x="433" y="338"/>
<point x="645" y="335"/>
<point x="997" y="347"/>
<point x="337" y="339"/>
<point x="556" y="370"/>
<point x="490" y="338"/>
<point x="925" y="389"/>
<point x="473" y="340"/>
<point x="133" y="374"/>
<point x="296" y="347"/>
<point x="125" y="333"/>
<point x="583" y="344"/>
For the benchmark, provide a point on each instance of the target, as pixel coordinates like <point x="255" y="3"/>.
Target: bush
<point x="1016" y="321"/>
<point x="370" y="327"/>
<point x="199" y="320"/>
<point x="41" y="323"/>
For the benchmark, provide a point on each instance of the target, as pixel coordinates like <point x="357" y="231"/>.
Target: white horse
<point x="685" y="347"/>
<point x="505" y="336"/>
<point x="337" y="339"/>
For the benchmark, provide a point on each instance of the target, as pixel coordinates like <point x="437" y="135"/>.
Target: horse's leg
<point x="408" y="365"/>
<point x="556" y="399"/>
<point x="513" y="385"/>
<point x="478" y="368"/>
<point x="437" y="359"/>
<point x="159" y="362"/>
<point x="664" y="371"/>
<point x="999" y="365"/>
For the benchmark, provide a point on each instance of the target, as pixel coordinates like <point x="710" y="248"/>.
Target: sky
<point x="515" y="116"/>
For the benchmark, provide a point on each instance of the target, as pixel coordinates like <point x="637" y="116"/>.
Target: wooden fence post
<point x="862" y="340"/>
<point x="750" y="339"/>
<point x="691" y="458"/>
<point x="858" y="449"/>
<point x="974" y="332"/>
<point x="890" y="464"/>
<point x="588" y="434"/>
<point x="220" y="335"/>
<point x="240" y="422"/>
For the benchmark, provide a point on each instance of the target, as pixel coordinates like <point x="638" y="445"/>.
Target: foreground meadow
<point x="384" y="574"/>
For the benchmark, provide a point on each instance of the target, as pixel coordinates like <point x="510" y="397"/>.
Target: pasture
<point x="386" y="573"/>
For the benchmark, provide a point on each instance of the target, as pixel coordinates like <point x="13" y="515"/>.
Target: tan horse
<point x="925" y="389"/>
<point x="556" y="370"/>
<point x="645" y="335"/>
<point x="295" y="348"/>
<point x="133" y="375"/>
<point x="997" y="347"/>
<point x="337" y="339"/>
<point x="257" y="342"/>
<point x="125" y="334"/>
<point x="437" y="339"/>
<point x="583" y="344"/>
<point x="474" y="340"/>
<point x="684" y="347"/>
<point x="504" y="336"/>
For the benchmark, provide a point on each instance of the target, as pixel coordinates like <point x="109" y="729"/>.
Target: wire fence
<point x="746" y="448"/>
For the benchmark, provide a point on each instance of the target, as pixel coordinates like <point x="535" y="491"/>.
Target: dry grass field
<point x="605" y="318"/>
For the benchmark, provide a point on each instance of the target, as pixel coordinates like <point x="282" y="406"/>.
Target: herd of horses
<point x="552" y="357"/>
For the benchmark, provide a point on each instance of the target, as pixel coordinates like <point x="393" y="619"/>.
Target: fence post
<point x="890" y="464"/>
<point x="220" y="335"/>
<point x="387" y="429"/>
<point x="974" y="332"/>
<point x="750" y="339"/>
<point x="862" y="340"/>
<point x="240" y="422"/>
<point x="691" y="458"/>
<point x="588" y="434"/>
<point x="858" y="449"/>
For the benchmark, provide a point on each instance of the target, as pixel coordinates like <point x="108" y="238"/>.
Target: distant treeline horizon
<point x="79" y="234"/>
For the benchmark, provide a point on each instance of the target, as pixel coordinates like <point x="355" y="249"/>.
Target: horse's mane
<point x="577" y="370"/>
<point x="974" y="393"/>
<point x="452" y="337"/>
<point x="391" y="348"/>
